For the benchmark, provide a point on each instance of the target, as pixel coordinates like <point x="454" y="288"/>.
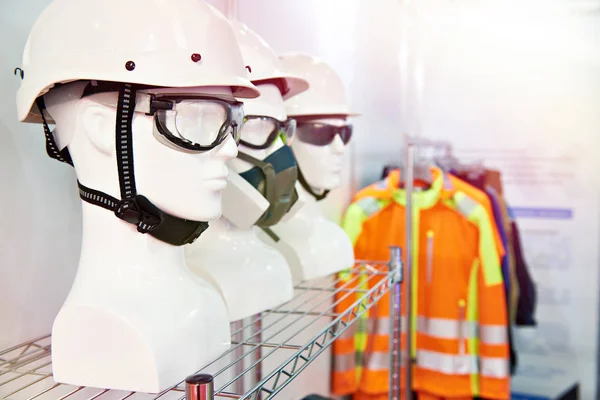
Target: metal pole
<point x="199" y="387"/>
<point x="238" y="353"/>
<point x="257" y="354"/>
<point x="396" y="324"/>
<point x="410" y="164"/>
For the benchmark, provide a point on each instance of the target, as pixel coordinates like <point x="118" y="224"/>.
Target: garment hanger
<point x="422" y="176"/>
<point x="446" y="161"/>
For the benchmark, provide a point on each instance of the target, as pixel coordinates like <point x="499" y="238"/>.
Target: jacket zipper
<point x="461" y="323"/>
<point x="430" y="236"/>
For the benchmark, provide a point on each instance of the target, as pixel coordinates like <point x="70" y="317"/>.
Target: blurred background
<point x="514" y="85"/>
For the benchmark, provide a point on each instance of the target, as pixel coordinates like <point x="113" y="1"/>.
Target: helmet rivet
<point x="196" y="57"/>
<point x="129" y="65"/>
<point x="248" y="68"/>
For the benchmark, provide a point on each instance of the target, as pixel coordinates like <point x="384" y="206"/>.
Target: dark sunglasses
<point x="321" y="134"/>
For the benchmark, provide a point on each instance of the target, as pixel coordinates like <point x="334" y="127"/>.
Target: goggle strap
<point x="309" y="189"/>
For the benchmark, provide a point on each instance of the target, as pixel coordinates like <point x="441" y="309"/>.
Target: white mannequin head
<point x="322" y="165"/>
<point x="185" y="185"/>
<point x="270" y="104"/>
<point x="325" y="102"/>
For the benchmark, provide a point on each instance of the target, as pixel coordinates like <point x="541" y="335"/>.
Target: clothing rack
<point x="411" y="143"/>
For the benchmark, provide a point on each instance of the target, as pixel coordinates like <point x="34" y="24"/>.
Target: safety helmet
<point x="263" y="64"/>
<point x="326" y="94"/>
<point x="150" y="42"/>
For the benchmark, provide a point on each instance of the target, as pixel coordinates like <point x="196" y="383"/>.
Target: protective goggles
<point x="321" y="134"/>
<point x="199" y="123"/>
<point x="195" y="123"/>
<point x="260" y="131"/>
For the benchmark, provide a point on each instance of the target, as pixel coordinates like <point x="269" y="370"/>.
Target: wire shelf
<point x="275" y="337"/>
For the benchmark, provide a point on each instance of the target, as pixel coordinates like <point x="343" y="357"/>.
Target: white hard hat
<point x="326" y="94"/>
<point x="183" y="43"/>
<point x="263" y="64"/>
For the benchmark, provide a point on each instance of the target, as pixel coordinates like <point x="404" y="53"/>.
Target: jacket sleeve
<point x="349" y="349"/>
<point x="345" y="351"/>
<point x="491" y="313"/>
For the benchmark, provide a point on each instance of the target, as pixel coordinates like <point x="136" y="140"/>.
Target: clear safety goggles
<point x="198" y="123"/>
<point x="322" y="134"/>
<point x="195" y="123"/>
<point x="260" y="131"/>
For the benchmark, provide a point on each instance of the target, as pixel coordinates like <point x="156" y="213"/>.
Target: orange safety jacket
<point x="459" y="326"/>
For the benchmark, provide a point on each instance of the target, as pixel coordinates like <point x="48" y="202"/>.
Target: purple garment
<point x="505" y="262"/>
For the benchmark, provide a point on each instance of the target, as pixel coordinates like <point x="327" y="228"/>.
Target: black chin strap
<point x="147" y="217"/>
<point x="309" y="189"/>
<point x="51" y="148"/>
<point x="133" y="208"/>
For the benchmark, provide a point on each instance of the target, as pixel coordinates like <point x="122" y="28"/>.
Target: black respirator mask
<point x="175" y="124"/>
<point x="274" y="177"/>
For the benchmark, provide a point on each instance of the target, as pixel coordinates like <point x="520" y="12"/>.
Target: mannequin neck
<point x="110" y="244"/>
<point x="311" y="205"/>
<point x="223" y="226"/>
<point x="307" y="188"/>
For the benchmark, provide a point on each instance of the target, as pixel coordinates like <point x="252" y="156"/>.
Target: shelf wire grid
<point x="272" y="336"/>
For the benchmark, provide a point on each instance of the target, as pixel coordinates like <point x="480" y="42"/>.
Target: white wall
<point x="39" y="206"/>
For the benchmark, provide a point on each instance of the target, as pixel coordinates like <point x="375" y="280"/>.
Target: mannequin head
<point x="186" y="185"/>
<point x="270" y="104"/>
<point x="322" y="165"/>
<point x="266" y="72"/>
<point x="325" y="102"/>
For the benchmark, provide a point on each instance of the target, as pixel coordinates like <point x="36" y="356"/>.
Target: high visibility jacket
<point x="459" y="310"/>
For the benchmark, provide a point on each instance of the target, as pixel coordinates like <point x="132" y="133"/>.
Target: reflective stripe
<point x="361" y="335"/>
<point x="462" y="365"/>
<point x="476" y="213"/>
<point x="381" y="326"/>
<point x="490" y="259"/>
<point x="465" y="204"/>
<point x="378" y="360"/>
<point x="429" y="256"/>
<point x="493" y="334"/>
<point x="445" y="328"/>
<point x="361" y="325"/>
<point x="446" y="363"/>
<point x="369" y="205"/>
<point x="494" y="367"/>
<point x="360" y="358"/>
<point x="344" y="362"/>
<point x="472" y="297"/>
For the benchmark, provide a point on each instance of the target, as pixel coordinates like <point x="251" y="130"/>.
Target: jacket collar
<point x="421" y="199"/>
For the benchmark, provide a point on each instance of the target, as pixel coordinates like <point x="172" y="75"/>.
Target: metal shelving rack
<point x="272" y="336"/>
